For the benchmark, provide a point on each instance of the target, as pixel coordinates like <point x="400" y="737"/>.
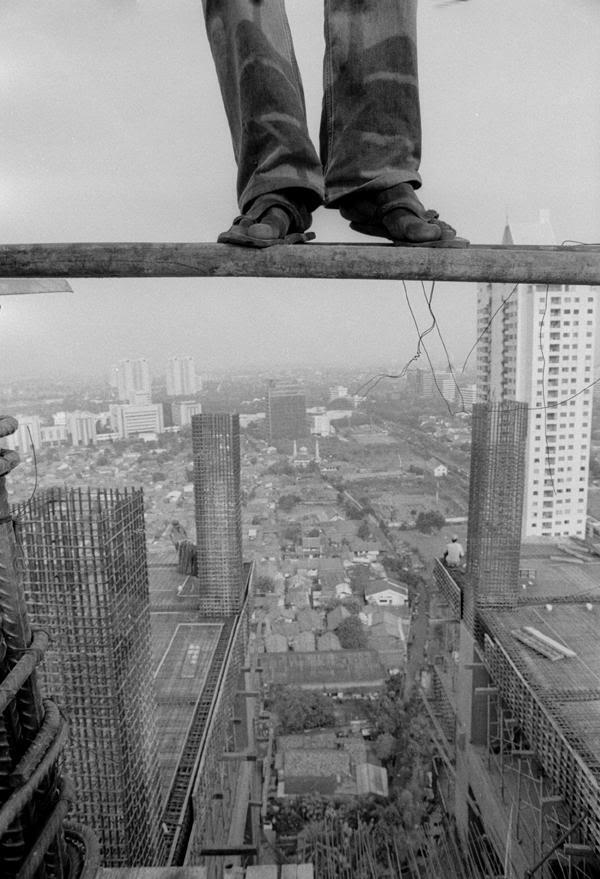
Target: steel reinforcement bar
<point x="579" y="786"/>
<point x="503" y="264"/>
<point x="178" y="811"/>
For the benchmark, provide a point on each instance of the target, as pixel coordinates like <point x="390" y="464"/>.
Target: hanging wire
<point x="429" y="300"/>
<point x="35" y="484"/>
<point x="374" y="380"/>
<point x="566" y="399"/>
<point x="543" y="357"/>
<point x="487" y="326"/>
<point x="421" y="345"/>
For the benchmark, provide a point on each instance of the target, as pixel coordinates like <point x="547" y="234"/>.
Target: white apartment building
<point x="53" y="434"/>
<point x="539" y="349"/>
<point x="130" y="421"/>
<point x="181" y="376"/>
<point x="132" y="379"/>
<point x="82" y="428"/>
<point x="182" y="412"/>
<point x="338" y="392"/>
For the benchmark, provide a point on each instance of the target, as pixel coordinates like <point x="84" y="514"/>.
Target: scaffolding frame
<point x="86" y="581"/>
<point x="502" y="264"/>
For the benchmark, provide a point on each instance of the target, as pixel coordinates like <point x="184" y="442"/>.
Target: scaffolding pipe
<point x="48" y="834"/>
<point x="22" y="670"/>
<point x="48" y="732"/>
<point x="529" y="873"/>
<point x="18" y="800"/>
<point x="502" y="264"/>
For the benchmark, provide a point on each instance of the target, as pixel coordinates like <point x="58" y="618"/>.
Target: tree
<point x="430" y="521"/>
<point x="364" y="532"/>
<point x="264" y="583"/>
<point x="299" y="709"/>
<point x="351" y="633"/>
<point x="287" y="502"/>
<point x="385" y="746"/>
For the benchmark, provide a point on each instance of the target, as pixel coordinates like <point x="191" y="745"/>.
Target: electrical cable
<point x="543" y="357"/>
<point x="35" y="484"/>
<point x="421" y="344"/>
<point x="487" y="326"/>
<point x="429" y="300"/>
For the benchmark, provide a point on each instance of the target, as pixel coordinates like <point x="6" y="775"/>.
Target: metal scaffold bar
<point x="502" y="264"/>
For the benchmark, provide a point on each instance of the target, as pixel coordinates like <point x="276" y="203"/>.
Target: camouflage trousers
<point x="370" y="136"/>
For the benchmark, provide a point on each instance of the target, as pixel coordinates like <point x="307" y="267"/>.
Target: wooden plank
<point x="305" y="871"/>
<point x="289" y="871"/>
<point x="537" y="265"/>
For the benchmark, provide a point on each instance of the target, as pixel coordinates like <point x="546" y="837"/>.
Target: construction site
<point x="511" y="692"/>
<point x="514" y="685"/>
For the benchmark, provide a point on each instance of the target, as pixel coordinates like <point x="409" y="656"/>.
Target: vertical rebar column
<point x="496" y="491"/>
<point x="24" y="716"/>
<point x="217" y="497"/>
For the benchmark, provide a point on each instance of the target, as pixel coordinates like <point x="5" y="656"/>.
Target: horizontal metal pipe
<point x="503" y="264"/>
<point x="46" y="735"/>
<point x="17" y="800"/>
<point x="23" y="668"/>
<point x="51" y="829"/>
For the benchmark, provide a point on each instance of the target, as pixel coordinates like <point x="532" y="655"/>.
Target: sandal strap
<point x="298" y="213"/>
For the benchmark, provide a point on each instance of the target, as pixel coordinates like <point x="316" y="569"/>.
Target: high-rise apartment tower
<point x="133" y="381"/>
<point x="181" y="376"/>
<point x="86" y="582"/>
<point x="538" y="347"/>
<point x="216" y="450"/>
<point x="286" y="411"/>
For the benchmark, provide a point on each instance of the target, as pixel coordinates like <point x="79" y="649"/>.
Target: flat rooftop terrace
<point x="562" y="602"/>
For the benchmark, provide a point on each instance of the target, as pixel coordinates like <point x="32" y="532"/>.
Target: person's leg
<point x="371" y="125"/>
<point x="264" y="101"/>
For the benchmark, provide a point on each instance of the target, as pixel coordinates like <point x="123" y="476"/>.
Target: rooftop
<point x="560" y="600"/>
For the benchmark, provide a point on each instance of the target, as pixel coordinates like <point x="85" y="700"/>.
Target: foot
<point x="271" y="219"/>
<point x="397" y="214"/>
<point x="274" y="223"/>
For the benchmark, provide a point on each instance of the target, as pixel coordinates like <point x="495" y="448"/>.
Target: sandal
<point x="369" y="217"/>
<point x="285" y="225"/>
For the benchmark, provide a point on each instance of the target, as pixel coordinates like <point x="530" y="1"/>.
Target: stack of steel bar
<point x="35" y="843"/>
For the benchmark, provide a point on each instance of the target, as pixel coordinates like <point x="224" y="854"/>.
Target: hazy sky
<point x="113" y="130"/>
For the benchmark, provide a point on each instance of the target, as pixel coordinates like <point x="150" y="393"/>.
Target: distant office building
<point x="427" y="383"/>
<point x="467" y="395"/>
<point x="320" y="424"/>
<point x="181" y="377"/>
<point x="131" y="421"/>
<point x="216" y="450"/>
<point x="82" y="428"/>
<point x="286" y="411"/>
<point x="53" y="434"/>
<point x="87" y="585"/>
<point x="182" y="412"/>
<point x="337" y="392"/>
<point x="538" y="347"/>
<point x="132" y="379"/>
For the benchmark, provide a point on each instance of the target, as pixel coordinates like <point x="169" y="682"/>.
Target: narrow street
<point x="416" y="658"/>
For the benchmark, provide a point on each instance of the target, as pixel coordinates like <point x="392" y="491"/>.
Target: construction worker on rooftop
<point x="454" y="553"/>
